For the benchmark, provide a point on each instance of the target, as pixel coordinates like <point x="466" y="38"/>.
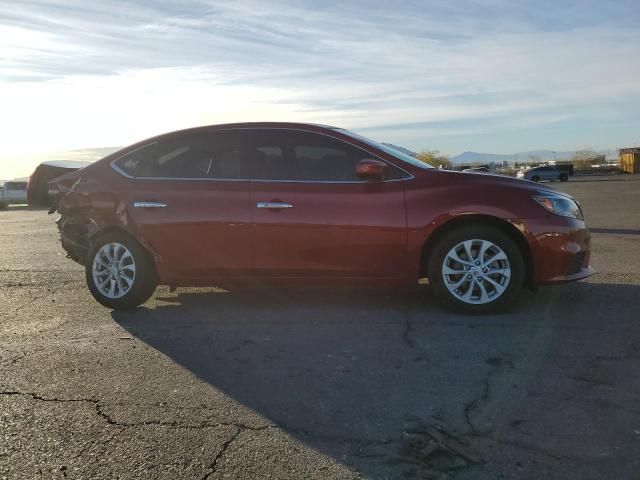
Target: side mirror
<point x="371" y="170"/>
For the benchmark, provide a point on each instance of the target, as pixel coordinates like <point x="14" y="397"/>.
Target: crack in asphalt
<point x="407" y="338"/>
<point x="213" y="467"/>
<point x="123" y="426"/>
<point x="99" y="408"/>
<point x="408" y="328"/>
<point x="498" y="364"/>
<point x="214" y="464"/>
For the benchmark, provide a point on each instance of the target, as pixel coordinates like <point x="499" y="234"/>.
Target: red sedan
<point x="310" y="204"/>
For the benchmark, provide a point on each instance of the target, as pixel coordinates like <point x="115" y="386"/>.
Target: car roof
<point x="273" y="124"/>
<point x="240" y="125"/>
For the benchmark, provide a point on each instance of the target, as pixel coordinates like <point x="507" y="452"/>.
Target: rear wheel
<point x="120" y="273"/>
<point x="476" y="269"/>
<point x="564" y="177"/>
<point x="535" y="178"/>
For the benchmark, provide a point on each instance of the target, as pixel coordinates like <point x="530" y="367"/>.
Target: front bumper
<point x="584" y="272"/>
<point x="560" y="249"/>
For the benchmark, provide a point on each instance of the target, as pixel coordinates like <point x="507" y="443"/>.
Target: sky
<point x="496" y="76"/>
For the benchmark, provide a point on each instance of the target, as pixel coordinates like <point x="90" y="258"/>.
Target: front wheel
<point x="535" y="178"/>
<point x="564" y="177"/>
<point x="120" y="273"/>
<point x="476" y="269"/>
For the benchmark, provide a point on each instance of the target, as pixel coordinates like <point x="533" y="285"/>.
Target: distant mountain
<point x="536" y="155"/>
<point x="474" y="157"/>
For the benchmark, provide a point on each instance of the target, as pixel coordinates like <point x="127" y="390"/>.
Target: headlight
<point x="559" y="205"/>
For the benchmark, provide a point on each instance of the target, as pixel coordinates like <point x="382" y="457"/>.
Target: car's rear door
<point x="313" y="217"/>
<point x="189" y="199"/>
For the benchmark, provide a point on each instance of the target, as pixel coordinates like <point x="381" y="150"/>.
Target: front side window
<point x="193" y="156"/>
<point x="305" y="156"/>
<point x="15" y="186"/>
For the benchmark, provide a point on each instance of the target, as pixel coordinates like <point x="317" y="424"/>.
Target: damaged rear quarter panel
<point x="87" y="209"/>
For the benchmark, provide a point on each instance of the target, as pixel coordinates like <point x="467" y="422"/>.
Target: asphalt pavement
<point x="281" y="383"/>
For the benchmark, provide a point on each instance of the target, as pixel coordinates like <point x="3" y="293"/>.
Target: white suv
<point x="13" y="192"/>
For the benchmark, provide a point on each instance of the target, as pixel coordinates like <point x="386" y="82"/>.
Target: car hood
<point x="487" y="180"/>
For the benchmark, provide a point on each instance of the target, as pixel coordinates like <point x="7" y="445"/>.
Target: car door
<point x="188" y="198"/>
<point x="313" y="217"/>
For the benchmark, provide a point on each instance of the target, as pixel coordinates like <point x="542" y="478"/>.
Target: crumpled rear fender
<point x="83" y="216"/>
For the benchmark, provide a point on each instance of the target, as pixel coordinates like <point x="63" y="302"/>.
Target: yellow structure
<point x="630" y="160"/>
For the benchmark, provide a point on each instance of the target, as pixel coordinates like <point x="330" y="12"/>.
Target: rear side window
<point x="305" y="156"/>
<point x="194" y="156"/>
<point x="15" y="186"/>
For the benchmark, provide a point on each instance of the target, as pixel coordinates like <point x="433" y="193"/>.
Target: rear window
<point x="195" y="156"/>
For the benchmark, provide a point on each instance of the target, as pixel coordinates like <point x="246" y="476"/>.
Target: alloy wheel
<point x="476" y="271"/>
<point x="113" y="270"/>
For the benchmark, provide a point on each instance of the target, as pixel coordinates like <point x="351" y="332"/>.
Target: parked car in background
<point x="476" y="170"/>
<point x="14" y="192"/>
<point x="38" y="189"/>
<point x="309" y="204"/>
<point x="537" y="174"/>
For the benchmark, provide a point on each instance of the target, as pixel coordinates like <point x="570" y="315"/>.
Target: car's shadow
<point x="343" y="371"/>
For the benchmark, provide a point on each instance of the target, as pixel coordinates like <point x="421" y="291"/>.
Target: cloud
<point x="79" y="73"/>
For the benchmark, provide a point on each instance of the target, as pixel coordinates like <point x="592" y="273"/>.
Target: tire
<point x="564" y="177"/>
<point x="478" y="278"/>
<point x="135" y="277"/>
<point x="535" y="178"/>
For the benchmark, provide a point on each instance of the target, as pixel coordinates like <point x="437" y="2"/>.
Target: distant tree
<point x="434" y="158"/>
<point x="583" y="159"/>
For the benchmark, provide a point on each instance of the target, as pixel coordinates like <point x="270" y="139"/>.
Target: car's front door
<point x="313" y="217"/>
<point x="190" y="201"/>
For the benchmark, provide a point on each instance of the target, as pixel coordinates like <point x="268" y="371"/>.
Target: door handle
<point x="273" y="205"/>
<point x="139" y="204"/>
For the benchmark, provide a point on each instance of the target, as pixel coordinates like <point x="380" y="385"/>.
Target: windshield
<point x="391" y="151"/>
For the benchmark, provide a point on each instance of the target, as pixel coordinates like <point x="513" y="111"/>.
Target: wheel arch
<point x="114" y="229"/>
<point x="503" y="225"/>
<point x="108" y="230"/>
